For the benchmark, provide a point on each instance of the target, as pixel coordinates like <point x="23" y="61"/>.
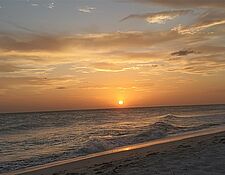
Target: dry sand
<point x="195" y="153"/>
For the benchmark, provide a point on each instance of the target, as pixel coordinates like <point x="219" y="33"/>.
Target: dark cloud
<point x="182" y="52"/>
<point x="61" y="88"/>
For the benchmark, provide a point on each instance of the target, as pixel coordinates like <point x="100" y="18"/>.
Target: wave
<point x="99" y="138"/>
<point x="170" y="117"/>
<point x="196" y="116"/>
<point x="157" y="130"/>
<point x="163" y="129"/>
<point x="154" y="131"/>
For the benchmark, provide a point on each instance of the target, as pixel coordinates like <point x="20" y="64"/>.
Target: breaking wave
<point x="25" y="137"/>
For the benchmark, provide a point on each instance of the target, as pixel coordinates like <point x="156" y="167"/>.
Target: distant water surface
<point x="29" y="139"/>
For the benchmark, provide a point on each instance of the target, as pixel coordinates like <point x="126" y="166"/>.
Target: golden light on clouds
<point x="97" y="60"/>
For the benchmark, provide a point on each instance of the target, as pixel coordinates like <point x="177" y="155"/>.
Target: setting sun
<point x="120" y="102"/>
<point x="109" y="74"/>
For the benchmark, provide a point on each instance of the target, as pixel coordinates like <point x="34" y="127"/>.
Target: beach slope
<point x="199" y="152"/>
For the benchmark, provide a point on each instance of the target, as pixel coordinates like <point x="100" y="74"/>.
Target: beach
<point x="112" y="87"/>
<point x="39" y="138"/>
<point x="198" y="152"/>
<point x="192" y="157"/>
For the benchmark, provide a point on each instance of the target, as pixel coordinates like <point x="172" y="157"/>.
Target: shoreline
<point x="74" y="165"/>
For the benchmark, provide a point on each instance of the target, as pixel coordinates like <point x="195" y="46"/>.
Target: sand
<point x="193" y="153"/>
<point x="206" y="157"/>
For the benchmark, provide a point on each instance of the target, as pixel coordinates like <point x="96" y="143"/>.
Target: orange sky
<point x="146" y="53"/>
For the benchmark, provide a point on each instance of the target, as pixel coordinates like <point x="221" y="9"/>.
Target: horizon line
<point x="109" y="108"/>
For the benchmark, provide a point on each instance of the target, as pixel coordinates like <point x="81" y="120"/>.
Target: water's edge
<point x="32" y="139"/>
<point x="114" y="154"/>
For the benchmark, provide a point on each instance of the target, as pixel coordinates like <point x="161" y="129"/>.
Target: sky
<point x="81" y="54"/>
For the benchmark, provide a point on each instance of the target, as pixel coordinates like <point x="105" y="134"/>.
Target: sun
<point x="120" y="102"/>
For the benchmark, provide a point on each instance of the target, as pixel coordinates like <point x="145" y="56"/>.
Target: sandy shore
<point x="193" y="153"/>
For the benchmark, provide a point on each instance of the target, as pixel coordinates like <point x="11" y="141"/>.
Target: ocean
<point x="29" y="139"/>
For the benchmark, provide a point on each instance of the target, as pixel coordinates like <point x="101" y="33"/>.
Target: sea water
<point x="29" y="139"/>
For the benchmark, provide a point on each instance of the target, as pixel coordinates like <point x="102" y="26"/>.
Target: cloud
<point x="51" y="5"/>
<point x="61" y="88"/>
<point x="34" y="81"/>
<point x="110" y="67"/>
<point x="140" y="55"/>
<point x="206" y="20"/>
<point x="204" y="64"/>
<point x="90" y="41"/>
<point x="35" y="4"/>
<point x="159" y="17"/>
<point x="197" y="27"/>
<point x="10" y="82"/>
<point x="183" y="53"/>
<point x="87" y="9"/>
<point x="19" y="26"/>
<point x="6" y="67"/>
<point x="187" y="3"/>
<point x="211" y="49"/>
<point x="37" y="43"/>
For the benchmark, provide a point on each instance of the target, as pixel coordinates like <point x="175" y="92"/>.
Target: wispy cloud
<point x="94" y="41"/>
<point x="187" y="3"/>
<point x="198" y="27"/>
<point x="19" y="26"/>
<point x="110" y="67"/>
<point x="6" y="67"/>
<point x="86" y="9"/>
<point x="34" y="5"/>
<point x="207" y="20"/>
<point x="29" y="81"/>
<point x="159" y="17"/>
<point x="207" y="64"/>
<point x="51" y="5"/>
